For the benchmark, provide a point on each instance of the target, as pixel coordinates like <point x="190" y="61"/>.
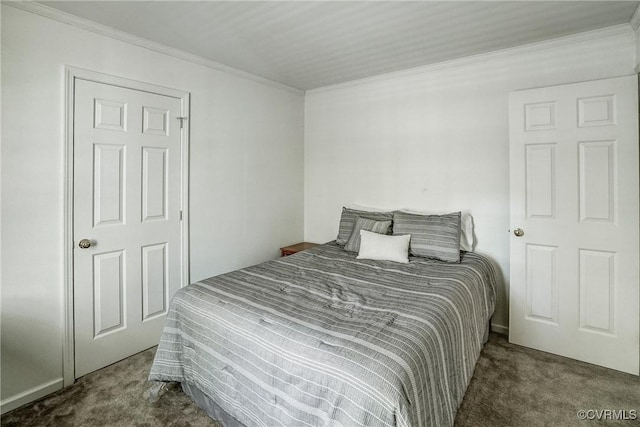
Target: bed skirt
<point x="209" y="406"/>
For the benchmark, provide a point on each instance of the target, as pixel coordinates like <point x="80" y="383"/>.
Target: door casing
<point x="73" y="74"/>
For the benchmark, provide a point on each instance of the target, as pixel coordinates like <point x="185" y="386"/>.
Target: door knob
<point x="84" y="243"/>
<point x="519" y="232"/>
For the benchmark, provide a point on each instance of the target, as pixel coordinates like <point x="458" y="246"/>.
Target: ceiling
<point x="310" y="44"/>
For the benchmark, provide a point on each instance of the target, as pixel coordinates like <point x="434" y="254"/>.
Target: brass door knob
<point x="519" y="232"/>
<point x="84" y="243"/>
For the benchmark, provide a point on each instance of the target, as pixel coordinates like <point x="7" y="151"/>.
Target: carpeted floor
<point x="511" y="386"/>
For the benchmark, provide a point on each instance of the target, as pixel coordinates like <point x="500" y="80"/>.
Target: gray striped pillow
<point x="348" y="220"/>
<point x="432" y="236"/>
<point x="380" y="227"/>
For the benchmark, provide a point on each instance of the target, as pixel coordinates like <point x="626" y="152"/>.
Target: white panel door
<point x="127" y="231"/>
<point x="574" y="195"/>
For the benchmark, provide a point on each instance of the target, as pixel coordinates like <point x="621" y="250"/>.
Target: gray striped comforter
<point x="322" y="339"/>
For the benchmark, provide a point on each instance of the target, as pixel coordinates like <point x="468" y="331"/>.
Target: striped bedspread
<point x="322" y="339"/>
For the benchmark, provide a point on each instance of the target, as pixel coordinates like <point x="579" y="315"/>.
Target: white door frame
<point x="73" y="74"/>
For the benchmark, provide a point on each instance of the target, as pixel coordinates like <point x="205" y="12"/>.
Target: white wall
<point x="246" y="177"/>
<point x="635" y="23"/>
<point x="436" y="138"/>
<point x="638" y="48"/>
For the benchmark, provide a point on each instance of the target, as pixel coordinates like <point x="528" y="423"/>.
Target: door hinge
<point x="182" y="119"/>
<point x="180" y="215"/>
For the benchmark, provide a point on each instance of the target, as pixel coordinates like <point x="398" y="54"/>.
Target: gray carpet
<point x="511" y="386"/>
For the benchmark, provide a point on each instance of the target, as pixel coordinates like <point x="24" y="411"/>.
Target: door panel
<point x="575" y="193"/>
<point x="127" y="203"/>
<point x="108" y="290"/>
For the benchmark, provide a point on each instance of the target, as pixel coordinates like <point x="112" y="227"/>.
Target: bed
<point x="323" y="338"/>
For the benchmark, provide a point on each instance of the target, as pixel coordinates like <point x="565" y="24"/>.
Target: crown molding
<point x="635" y="19"/>
<point x="469" y="61"/>
<point x="85" y="24"/>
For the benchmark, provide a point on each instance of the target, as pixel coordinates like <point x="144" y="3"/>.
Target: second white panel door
<point x="575" y="196"/>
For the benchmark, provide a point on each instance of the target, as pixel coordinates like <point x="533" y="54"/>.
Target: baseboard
<point x="30" y="395"/>
<point x="500" y="329"/>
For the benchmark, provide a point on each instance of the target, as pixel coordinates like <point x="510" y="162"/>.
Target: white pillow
<point x="359" y="207"/>
<point x="466" y="228"/>
<point x="382" y="247"/>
